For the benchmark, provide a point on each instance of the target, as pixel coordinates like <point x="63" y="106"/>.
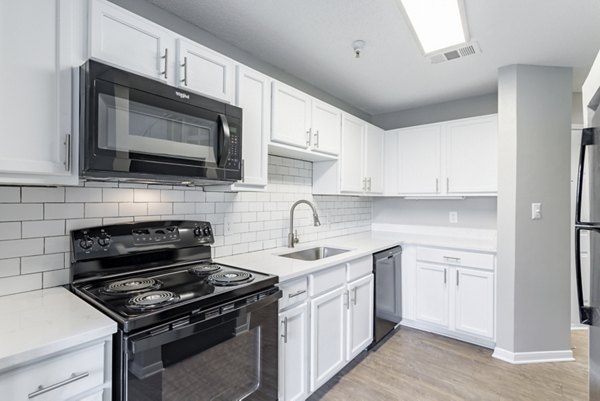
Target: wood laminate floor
<point x="415" y="365"/>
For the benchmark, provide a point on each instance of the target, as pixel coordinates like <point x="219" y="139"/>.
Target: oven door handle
<point x="225" y="141"/>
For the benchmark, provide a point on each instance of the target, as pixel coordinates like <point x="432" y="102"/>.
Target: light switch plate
<point x="536" y="211"/>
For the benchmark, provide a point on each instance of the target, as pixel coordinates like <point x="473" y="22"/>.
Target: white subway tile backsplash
<point x="35" y="237"/>
<point x="101" y="210"/>
<point x="62" y="211"/>
<point x="10" y="194"/>
<point x="10" y="267"/>
<point x="43" y="228"/>
<point x="37" y="264"/>
<point x="22" y="283"/>
<point x="82" y="195"/>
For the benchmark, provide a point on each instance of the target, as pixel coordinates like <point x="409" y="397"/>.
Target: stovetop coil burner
<point x="152" y="300"/>
<point x="230" y="278"/>
<point x="205" y="269"/>
<point x="132" y="286"/>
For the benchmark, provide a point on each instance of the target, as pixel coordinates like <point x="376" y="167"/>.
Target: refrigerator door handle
<point x="587" y="138"/>
<point x="585" y="312"/>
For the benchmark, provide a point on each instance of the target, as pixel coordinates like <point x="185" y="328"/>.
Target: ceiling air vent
<point x="454" y="53"/>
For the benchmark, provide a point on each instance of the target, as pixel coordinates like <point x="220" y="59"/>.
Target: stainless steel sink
<point x="314" y="253"/>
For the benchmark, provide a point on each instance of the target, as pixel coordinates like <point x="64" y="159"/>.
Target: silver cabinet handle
<point x="166" y="58"/>
<point x="317" y="139"/>
<point x="284" y="335"/>
<point x="437" y="185"/>
<point x="452" y="258"/>
<point x="308" y="135"/>
<point x="43" y="390"/>
<point x="243" y="170"/>
<point x="445" y="278"/>
<point x="296" y="293"/>
<point x="447" y="184"/>
<point x="355" y="295"/>
<point x="457" y="278"/>
<point x="68" y="152"/>
<point x="347" y="299"/>
<point x="184" y="65"/>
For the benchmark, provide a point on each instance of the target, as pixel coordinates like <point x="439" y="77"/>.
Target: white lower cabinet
<point x="453" y="293"/>
<point x="323" y="325"/>
<point x="68" y="375"/>
<point x="293" y="348"/>
<point x="327" y="336"/>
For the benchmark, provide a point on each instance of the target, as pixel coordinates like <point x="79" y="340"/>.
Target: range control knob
<point x="197" y="231"/>
<point x="207" y="231"/>
<point x="104" y="240"/>
<point x="87" y="242"/>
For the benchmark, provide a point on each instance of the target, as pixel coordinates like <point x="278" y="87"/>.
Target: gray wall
<point x="577" y="109"/>
<point x="472" y="212"/>
<point x="197" y="34"/>
<point x="533" y="255"/>
<point x="452" y="110"/>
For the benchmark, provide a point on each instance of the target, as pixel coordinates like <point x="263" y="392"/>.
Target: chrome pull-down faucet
<point x="293" y="239"/>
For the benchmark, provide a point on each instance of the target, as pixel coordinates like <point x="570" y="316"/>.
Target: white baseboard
<point x="577" y="326"/>
<point x="431" y="328"/>
<point x="519" y="358"/>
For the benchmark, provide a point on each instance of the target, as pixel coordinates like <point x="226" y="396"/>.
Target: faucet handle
<point x="296" y="239"/>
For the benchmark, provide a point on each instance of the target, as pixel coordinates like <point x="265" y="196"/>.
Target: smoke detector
<point x="358" y="46"/>
<point x="454" y="53"/>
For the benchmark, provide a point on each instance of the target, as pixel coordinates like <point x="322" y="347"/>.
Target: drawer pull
<point x="296" y="293"/>
<point x="457" y="260"/>
<point x="42" y="390"/>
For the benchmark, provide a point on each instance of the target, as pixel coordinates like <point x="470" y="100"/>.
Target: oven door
<point x="230" y="357"/>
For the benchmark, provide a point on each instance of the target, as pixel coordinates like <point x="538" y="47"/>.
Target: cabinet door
<point x="327" y="336"/>
<point x="35" y="107"/>
<point x="326" y="128"/>
<point x="374" y="159"/>
<point x="472" y="155"/>
<point x="204" y="71"/>
<point x="474" y="294"/>
<point x="432" y="294"/>
<point x="419" y="160"/>
<point x="254" y="96"/>
<point x="290" y="116"/>
<point x="129" y="41"/>
<point x="293" y="351"/>
<point x="360" y="316"/>
<point x="353" y="136"/>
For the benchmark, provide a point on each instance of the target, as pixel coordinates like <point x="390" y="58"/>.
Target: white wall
<point x="472" y="212"/>
<point x="35" y="222"/>
<point x="533" y="272"/>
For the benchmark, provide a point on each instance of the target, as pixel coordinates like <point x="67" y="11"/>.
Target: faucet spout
<point x="293" y="239"/>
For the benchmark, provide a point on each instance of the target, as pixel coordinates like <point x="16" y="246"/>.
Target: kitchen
<point x="427" y="170"/>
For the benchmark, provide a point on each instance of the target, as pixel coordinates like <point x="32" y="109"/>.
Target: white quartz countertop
<point x="39" y="323"/>
<point x="269" y="261"/>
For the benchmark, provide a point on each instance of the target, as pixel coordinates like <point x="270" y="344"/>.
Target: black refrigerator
<point x="588" y="229"/>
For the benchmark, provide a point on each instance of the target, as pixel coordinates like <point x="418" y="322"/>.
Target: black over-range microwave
<point x="137" y="129"/>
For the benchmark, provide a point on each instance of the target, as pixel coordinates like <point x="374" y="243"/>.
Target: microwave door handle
<point x="226" y="144"/>
<point x="585" y="312"/>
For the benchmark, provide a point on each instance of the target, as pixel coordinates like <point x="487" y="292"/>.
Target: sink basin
<point x="314" y="253"/>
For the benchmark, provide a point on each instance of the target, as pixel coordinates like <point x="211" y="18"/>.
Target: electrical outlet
<point x="453" y="216"/>
<point x="536" y="211"/>
<point x="227" y="226"/>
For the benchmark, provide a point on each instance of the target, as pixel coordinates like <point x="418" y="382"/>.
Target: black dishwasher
<point x="387" y="268"/>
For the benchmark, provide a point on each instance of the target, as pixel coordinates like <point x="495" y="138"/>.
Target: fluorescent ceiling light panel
<point x="438" y="24"/>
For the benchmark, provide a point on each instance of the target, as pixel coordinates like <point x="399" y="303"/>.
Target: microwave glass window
<point x="128" y="126"/>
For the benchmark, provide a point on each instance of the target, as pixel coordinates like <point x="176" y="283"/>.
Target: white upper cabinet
<point x="453" y="158"/>
<point x="205" y="71"/>
<point x="472" y="155"/>
<point x="290" y="116"/>
<point x="418" y="158"/>
<point x="39" y="51"/>
<point x="352" y="172"/>
<point x="374" y="170"/>
<point x="326" y="128"/>
<point x="131" y="42"/>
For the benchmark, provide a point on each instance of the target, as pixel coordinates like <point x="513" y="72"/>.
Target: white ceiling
<point x="312" y="39"/>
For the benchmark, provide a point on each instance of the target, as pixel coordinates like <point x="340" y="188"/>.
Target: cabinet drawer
<point x="456" y="258"/>
<point x="69" y="374"/>
<point x="327" y="279"/>
<point x="360" y="267"/>
<point x="294" y="292"/>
